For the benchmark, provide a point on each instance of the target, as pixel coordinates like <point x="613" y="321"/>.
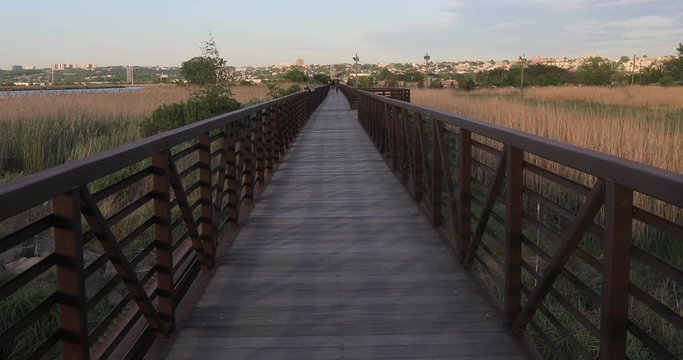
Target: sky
<point x="264" y="32"/>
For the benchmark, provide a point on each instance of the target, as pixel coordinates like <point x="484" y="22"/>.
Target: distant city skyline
<point x="267" y="32"/>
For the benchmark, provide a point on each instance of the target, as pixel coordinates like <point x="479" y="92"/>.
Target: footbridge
<point x="345" y="224"/>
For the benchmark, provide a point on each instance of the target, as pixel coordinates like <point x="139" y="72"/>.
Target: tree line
<point x="595" y="71"/>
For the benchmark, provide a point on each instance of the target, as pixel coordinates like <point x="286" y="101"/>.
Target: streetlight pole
<point x="356" y="59"/>
<point x="633" y="70"/>
<point x="427" y="57"/>
<point x="521" y="83"/>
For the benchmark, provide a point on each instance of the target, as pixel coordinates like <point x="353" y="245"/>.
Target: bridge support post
<point x="163" y="238"/>
<point x="615" y="273"/>
<point x="73" y="309"/>
<point x="513" y="233"/>
<point x="419" y="157"/>
<point x="232" y="180"/>
<point x="465" y="188"/>
<point x="207" y="235"/>
<point x="436" y="175"/>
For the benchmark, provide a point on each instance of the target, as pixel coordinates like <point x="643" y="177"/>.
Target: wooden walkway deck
<point x="336" y="261"/>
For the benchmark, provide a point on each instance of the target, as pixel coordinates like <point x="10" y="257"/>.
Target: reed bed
<point x="42" y="130"/>
<point x="643" y="134"/>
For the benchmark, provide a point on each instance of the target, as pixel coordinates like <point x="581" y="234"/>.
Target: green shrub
<point x="199" y="107"/>
<point x="275" y="91"/>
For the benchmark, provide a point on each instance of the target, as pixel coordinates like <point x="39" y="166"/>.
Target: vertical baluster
<point x="418" y="159"/>
<point x="163" y="238"/>
<point x="269" y="154"/>
<point x="73" y="310"/>
<point x="405" y="140"/>
<point x="260" y="149"/>
<point x="615" y="272"/>
<point x="436" y="176"/>
<point x="465" y="188"/>
<point x="513" y="233"/>
<point x="249" y="161"/>
<point x="395" y="138"/>
<point x="233" y="181"/>
<point x="206" y="207"/>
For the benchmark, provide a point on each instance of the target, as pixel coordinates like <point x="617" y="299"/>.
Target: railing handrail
<point x="31" y="190"/>
<point x="659" y="183"/>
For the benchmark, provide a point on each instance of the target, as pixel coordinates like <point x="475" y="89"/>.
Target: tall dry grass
<point x="41" y="130"/>
<point x="645" y="135"/>
<point x="133" y="104"/>
<point x="651" y="97"/>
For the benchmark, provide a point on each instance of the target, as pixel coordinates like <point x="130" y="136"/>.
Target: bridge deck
<point x="336" y="261"/>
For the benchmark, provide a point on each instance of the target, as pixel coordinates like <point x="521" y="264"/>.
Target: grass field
<point x="39" y="131"/>
<point x="644" y="124"/>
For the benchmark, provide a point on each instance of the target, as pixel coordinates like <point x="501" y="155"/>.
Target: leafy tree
<point x="680" y="49"/>
<point x="200" y="70"/>
<point x="596" y="71"/>
<point x="322" y="78"/>
<point x="212" y="97"/>
<point x="365" y="82"/>
<point x="275" y="91"/>
<point x="296" y="75"/>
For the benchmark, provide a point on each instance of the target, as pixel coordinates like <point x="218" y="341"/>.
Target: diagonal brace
<point x="111" y="247"/>
<point x="186" y="213"/>
<point x="576" y="232"/>
<point x="486" y="211"/>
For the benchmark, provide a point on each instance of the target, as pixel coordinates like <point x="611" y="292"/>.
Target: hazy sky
<point x="261" y="32"/>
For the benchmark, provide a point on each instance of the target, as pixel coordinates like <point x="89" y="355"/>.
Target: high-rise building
<point x="17" y="68"/>
<point x="299" y="62"/>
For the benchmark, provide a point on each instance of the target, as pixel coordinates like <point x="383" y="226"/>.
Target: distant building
<point x="300" y="62"/>
<point x="17" y="68"/>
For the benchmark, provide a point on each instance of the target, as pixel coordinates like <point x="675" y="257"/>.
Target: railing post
<point x="247" y="148"/>
<point x="615" y="272"/>
<point x="232" y="180"/>
<point x="73" y="309"/>
<point x="206" y="220"/>
<point x="260" y="151"/>
<point x="436" y="175"/>
<point x="513" y="233"/>
<point x="418" y="155"/>
<point x="163" y="238"/>
<point x="268" y="141"/>
<point x="465" y="188"/>
<point x="405" y="139"/>
<point x="395" y="139"/>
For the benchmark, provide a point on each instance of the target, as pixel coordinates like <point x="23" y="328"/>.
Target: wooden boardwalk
<point x="337" y="262"/>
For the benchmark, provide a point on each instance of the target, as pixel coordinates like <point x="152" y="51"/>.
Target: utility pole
<point x="521" y="83"/>
<point x="356" y="59"/>
<point x="427" y="57"/>
<point x="633" y="70"/>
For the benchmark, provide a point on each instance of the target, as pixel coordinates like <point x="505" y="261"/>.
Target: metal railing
<point x="156" y="213"/>
<point x="351" y="95"/>
<point x="580" y="250"/>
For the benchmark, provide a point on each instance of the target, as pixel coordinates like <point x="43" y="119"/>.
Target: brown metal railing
<point x="580" y="250"/>
<point x="161" y="210"/>
<point x="351" y="95"/>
